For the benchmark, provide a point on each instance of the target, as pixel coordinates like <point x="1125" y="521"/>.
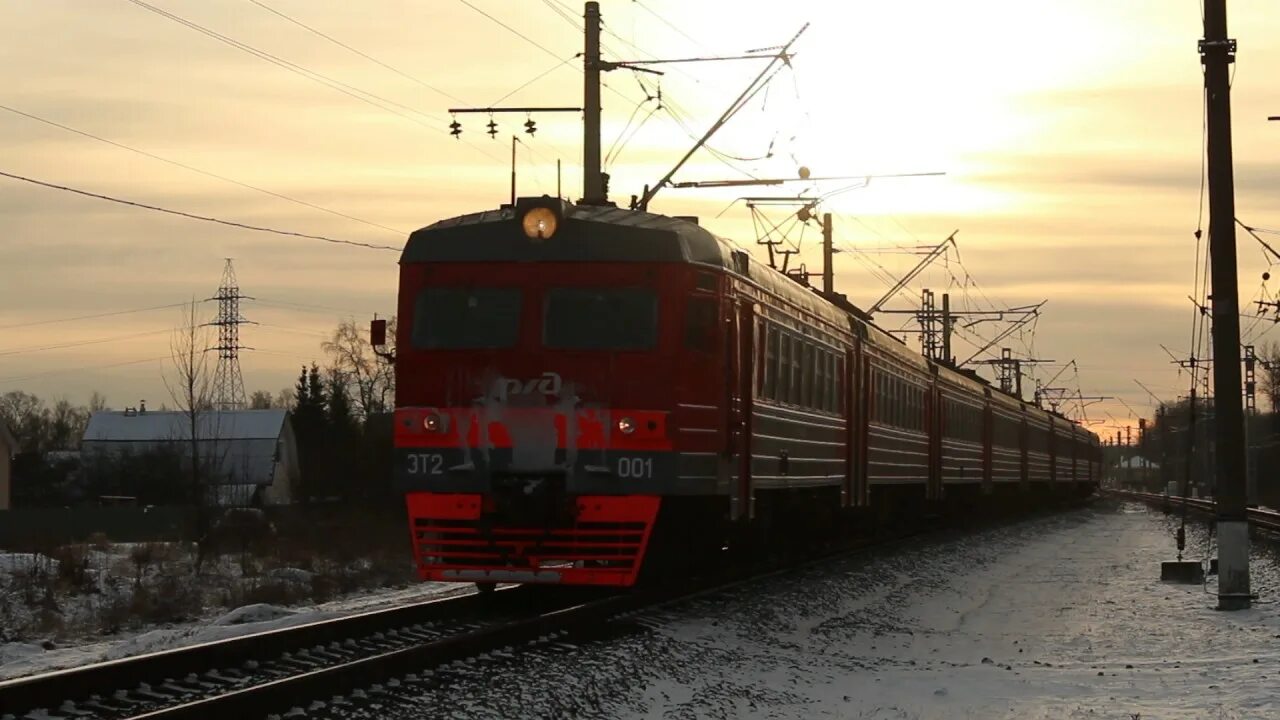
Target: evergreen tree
<point x="340" y="418"/>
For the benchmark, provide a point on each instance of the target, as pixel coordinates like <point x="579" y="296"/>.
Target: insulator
<point x="455" y="129"/>
<point x="530" y="126"/>
<point x="493" y="128"/>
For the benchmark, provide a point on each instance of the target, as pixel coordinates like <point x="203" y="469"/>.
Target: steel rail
<point x="1259" y="517"/>
<point x="107" y="679"/>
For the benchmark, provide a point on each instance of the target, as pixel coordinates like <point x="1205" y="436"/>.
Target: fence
<point x="25" y="527"/>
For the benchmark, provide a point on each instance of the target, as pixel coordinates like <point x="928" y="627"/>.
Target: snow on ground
<point x="1058" y="617"/>
<point x="20" y="658"/>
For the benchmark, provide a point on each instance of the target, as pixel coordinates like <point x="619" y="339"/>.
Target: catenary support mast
<point x="1217" y="53"/>
<point x="593" y="192"/>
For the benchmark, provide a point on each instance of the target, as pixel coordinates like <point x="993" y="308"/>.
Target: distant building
<point x="250" y="456"/>
<point x="8" y="448"/>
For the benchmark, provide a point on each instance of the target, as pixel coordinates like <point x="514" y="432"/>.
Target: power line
<point x="99" y="341"/>
<point x="364" y="55"/>
<point x="668" y="23"/>
<point x="94" y="316"/>
<point x="310" y="308"/>
<point x="16" y="378"/>
<point x="191" y="216"/>
<point x="350" y="90"/>
<point x="512" y="30"/>
<point x="531" y="41"/>
<point x="537" y="77"/>
<point x="206" y="173"/>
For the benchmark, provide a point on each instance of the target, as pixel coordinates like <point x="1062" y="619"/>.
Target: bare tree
<point x="67" y="424"/>
<point x="189" y="383"/>
<point x="260" y="400"/>
<point x="372" y="376"/>
<point x="1269" y="359"/>
<point x="27" y="418"/>
<point x="97" y="402"/>
<point x="284" y="399"/>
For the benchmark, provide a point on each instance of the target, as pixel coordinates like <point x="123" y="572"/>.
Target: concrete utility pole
<point x="1217" y="52"/>
<point x="592" y="180"/>
<point x="1250" y="412"/>
<point x="828" y="273"/>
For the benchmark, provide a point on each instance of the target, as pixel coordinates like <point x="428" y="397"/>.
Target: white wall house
<point x="252" y="455"/>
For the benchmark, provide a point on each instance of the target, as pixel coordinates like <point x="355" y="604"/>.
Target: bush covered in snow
<point x="71" y="592"/>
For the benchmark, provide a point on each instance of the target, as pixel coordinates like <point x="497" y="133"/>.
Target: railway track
<point x="197" y="680"/>
<point x="334" y="668"/>
<point x="1258" y="517"/>
<point x="329" y="667"/>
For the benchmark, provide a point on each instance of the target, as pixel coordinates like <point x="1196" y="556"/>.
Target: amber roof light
<point x="539" y="223"/>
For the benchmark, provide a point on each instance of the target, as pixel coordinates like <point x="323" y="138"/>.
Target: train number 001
<point x="426" y="464"/>
<point x="635" y="467"/>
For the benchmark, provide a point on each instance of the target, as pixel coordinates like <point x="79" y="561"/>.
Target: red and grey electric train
<point x="585" y="391"/>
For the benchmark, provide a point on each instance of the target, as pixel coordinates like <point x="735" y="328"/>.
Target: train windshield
<point x="600" y="319"/>
<point x="473" y="318"/>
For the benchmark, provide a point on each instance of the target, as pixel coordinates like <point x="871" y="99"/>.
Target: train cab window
<point x="582" y="318"/>
<point x="466" y="318"/>
<point x="700" y="324"/>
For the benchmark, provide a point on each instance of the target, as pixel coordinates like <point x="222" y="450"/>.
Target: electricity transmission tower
<point x="228" y="385"/>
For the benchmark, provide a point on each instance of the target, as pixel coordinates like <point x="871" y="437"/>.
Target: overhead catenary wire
<point x="193" y="216"/>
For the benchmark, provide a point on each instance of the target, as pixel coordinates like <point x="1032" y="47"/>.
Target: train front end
<point x="532" y="429"/>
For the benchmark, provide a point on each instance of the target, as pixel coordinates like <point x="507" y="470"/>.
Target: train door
<point x="854" y="492"/>
<point x="740" y="401"/>
<point x="862" y="398"/>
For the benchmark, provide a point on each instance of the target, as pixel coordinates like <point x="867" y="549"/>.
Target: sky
<point x="1069" y="132"/>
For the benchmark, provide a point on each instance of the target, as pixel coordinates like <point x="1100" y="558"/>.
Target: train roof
<point x="634" y="236"/>
<point x="639" y="236"/>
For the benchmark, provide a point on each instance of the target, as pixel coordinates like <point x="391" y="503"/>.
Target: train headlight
<point x="626" y="425"/>
<point x="539" y="223"/>
<point x="433" y="423"/>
